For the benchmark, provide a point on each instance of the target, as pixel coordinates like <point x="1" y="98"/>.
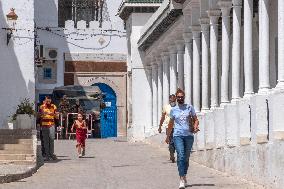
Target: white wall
<point x="16" y="59"/>
<point x="141" y="86"/>
<point x="46" y="15"/>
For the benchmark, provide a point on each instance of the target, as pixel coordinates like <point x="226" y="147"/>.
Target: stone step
<point x="16" y="162"/>
<point x="8" y="137"/>
<point x="16" y="146"/>
<point x="15" y="141"/>
<point x="16" y="151"/>
<point x="8" y="157"/>
<point x="17" y="132"/>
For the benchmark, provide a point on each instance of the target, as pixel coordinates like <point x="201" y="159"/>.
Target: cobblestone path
<point x="115" y="164"/>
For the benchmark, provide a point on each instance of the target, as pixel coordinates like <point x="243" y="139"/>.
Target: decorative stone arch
<point x="108" y="82"/>
<point x="118" y="83"/>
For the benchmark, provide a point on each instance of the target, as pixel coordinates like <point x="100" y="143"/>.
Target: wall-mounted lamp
<point x="11" y="20"/>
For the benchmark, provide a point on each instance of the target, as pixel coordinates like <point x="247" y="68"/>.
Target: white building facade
<point x="228" y="57"/>
<point x="53" y="37"/>
<point x="17" y="79"/>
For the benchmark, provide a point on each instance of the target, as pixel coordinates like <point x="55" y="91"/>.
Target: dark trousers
<point x="171" y="143"/>
<point x="48" y="135"/>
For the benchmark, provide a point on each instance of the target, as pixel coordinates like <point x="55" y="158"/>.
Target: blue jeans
<point x="183" y="145"/>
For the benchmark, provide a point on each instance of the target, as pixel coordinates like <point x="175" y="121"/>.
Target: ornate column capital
<point x="158" y="60"/>
<point x="154" y="65"/>
<point x="165" y="57"/>
<point x="204" y="23"/>
<point x="148" y="67"/>
<point x="180" y="46"/>
<point x="225" y="6"/>
<point x="214" y="16"/>
<point x="172" y="49"/>
<point x="196" y="31"/>
<point x="164" y="53"/>
<point x="237" y="3"/>
<point x="187" y="37"/>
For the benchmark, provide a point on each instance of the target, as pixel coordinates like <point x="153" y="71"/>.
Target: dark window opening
<point x="87" y="10"/>
<point x="47" y="73"/>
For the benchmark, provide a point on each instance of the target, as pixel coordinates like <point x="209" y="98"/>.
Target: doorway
<point x="108" y="115"/>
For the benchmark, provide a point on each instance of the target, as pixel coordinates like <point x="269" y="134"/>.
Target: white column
<point x="264" y="83"/>
<point x="236" y="49"/>
<point x="148" y="126"/>
<point x="173" y="69"/>
<point x="155" y="95"/>
<point x="196" y="67"/>
<point x="166" y="77"/>
<point x="205" y="62"/>
<point x="180" y="63"/>
<point x="188" y="67"/>
<point x="280" y="83"/>
<point x="248" y="57"/>
<point x="225" y="9"/>
<point x="214" y="15"/>
<point x="160" y="89"/>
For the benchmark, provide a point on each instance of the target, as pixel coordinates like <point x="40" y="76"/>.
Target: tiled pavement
<point x="116" y="164"/>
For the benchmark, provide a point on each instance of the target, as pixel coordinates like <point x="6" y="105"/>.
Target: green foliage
<point x="25" y="107"/>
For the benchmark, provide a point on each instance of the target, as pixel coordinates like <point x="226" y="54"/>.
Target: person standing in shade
<point x="183" y="118"/>
<point x="165" y="118"/>
<point x="64" y="109"/>
<point x="48" y="113"/>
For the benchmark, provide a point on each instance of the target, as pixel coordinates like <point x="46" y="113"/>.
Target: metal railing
<point x="67" y="125"/>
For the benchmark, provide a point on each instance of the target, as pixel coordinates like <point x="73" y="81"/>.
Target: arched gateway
<point x="108" y="118"/>
<point x="115" y="86"/>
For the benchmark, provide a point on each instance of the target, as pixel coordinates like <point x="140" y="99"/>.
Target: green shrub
<point x="25" y="107"/>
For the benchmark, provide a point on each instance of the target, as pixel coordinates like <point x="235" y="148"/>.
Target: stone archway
<point x="118" y="84"/>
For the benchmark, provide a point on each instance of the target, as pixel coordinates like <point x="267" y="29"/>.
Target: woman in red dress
<point x="81" y="132"/>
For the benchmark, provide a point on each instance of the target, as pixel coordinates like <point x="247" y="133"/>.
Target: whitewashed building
<point x="228" y="56"/>
<point x="62" y="42"/>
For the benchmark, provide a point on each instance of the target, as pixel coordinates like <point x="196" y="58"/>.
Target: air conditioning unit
<point x="47" y="53"/>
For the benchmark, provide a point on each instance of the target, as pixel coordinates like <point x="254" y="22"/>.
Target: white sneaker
<point x="181" y="185"/>
<point x="80" y="155"/>
<point x="185" y="181"/>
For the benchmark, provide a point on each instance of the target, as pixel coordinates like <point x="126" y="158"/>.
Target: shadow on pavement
<point x="57" y="161"/>
<point x="87" y="157"/>
<point x="61" y="156"/>
<point x="117" y="166"/>
<point x="191" y="185"/>
<point x="168" y="162"/>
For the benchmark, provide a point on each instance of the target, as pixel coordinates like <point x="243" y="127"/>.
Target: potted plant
<point x="25" y="115"/>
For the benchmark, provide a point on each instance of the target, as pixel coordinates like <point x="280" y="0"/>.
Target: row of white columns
<point x="180" y="65"/>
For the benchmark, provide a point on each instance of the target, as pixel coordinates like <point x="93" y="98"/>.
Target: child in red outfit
<point x="81" y="131"/>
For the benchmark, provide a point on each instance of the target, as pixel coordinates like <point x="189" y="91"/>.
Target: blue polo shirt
<point x="180" y="114"/>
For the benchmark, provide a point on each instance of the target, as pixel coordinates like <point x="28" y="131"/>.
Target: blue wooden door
<point x="108" y="115"/>
<point x="108" y="122"/>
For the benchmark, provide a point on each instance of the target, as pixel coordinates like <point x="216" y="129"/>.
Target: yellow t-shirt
<point x="167" y="110"/>
<point x="48" y="115"/>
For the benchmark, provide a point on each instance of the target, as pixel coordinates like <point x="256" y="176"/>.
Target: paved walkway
<point x="114" y="164"/>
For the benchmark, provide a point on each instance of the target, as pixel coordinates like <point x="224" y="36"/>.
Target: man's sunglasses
<point x="180" y="97"/>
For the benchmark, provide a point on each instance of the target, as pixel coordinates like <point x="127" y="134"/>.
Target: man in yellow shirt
<point x="165" y="118"/>
<point x="48" y="113"/>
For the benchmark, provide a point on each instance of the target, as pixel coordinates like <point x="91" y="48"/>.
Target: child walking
<point x="81" y="131"/>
